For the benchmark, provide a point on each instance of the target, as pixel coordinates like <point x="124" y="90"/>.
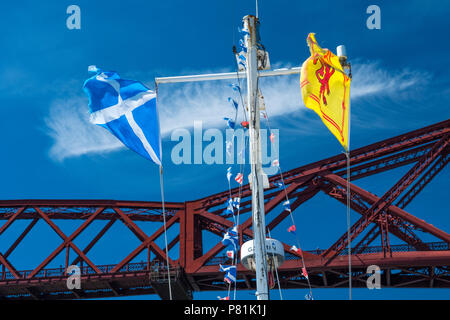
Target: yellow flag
<point x="326" y="89"/>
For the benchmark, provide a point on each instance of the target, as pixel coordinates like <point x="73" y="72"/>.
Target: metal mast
<point x="256" y="179"/>
<point x="259" y="225"/>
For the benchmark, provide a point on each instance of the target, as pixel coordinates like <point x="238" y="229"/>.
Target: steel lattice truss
<point x="413" y="264"/>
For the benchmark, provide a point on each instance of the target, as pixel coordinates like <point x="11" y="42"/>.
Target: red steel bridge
<point x="414" y="264"/>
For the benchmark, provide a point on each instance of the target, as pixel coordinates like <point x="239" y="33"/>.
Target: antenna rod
<point x="257" y="9"/>
<point x="258" y="215"/>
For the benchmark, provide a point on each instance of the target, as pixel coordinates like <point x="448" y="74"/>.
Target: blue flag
<point x="127" y="109"/>
<point x="230" y="273"/>
<point x="231" y="237"/>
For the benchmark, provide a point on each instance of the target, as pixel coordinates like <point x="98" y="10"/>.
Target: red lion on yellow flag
<point x="326" y="89"/>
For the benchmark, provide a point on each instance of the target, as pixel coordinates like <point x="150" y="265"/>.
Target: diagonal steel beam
<point x="11" y="220"/>
<point x="95" y="240"/>
<point x="9" y="266"/>
<point x="66" y="241"/>
<point x="396" y="226"/>
<point x="21" y="237"/>
<point x="395" y="211"/>
<point x="424" y="180"/>
<point x="387" y="199"/>
<point x="148" y="241"/>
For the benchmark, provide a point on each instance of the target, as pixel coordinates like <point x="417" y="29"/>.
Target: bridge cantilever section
<point x="193" y="267"/>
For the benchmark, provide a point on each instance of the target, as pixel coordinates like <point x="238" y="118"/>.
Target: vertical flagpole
<point x="342" y="54"/>
<point x="161" y="184"/>
<point x="349" y="196"/>
<point x="161" y="181"/>
<point x="259" y="225"/>
<point x="347" y="153"/>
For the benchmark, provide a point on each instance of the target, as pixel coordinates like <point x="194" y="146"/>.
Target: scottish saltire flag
<point x="279" y="184"/>
<point x="236" y="202"/>
<point x="231" y="237"/>
<point x="230" y="123"/>
<point x="229" y="209"/>
<point x="230" y="273"/>
<point x="229" y="174"/>
<point x="287" y="206"/>
<point x="127" y="109"/>
<point x="235" y="87"/>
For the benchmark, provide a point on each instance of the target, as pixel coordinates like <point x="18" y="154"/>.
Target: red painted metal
<point x="413" y="264"/>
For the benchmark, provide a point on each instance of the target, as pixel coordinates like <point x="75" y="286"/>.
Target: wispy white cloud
<point x="370" y="78"/>
<point x="72" y="133"/>
<point x="182" y="104"/>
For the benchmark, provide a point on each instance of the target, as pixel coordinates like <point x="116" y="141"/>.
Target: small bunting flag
<point x="279" y="184"/>
<point x="287" y="206"/>
<point x="231" y="124"/>
<point x="297" y="250"/>
<point x="291" y="228"/>
<point x="304" y="273"/>
<point x="272" y="137"/>
<point x="229" y="174"/>
<point x="239" y="178"/>
<point x="233" y="103"/>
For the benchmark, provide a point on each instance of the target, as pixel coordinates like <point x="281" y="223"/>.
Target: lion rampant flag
<point x="326" y="88"/>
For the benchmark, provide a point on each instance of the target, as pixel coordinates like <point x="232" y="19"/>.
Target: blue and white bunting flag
<point x="231" y="237"/>
<point x="230" y="273"/>
<point x="231" y="124"/>
<point x="242" y="61"/>
<point x="279" y="184"/>
<point x="229" y="174"/>
<point x="127" y="109"/>
<point x="242" y="45"/>
<point x="243" y="31"/>
<point x="235" y="87"/>
<point x="287" y="206"/>
<point x="236" y="202"/>
<point x="233" y="103"/>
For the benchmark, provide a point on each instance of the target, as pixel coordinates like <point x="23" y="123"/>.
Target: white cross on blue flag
<point x="127" y="109"/>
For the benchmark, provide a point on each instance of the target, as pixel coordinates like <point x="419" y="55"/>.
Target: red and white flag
<point x="275" y="163"/>
<point x="224" y="298"/>
<point x="239" y="178"/>
<point x="272" y="137"/>
<point x="230" y="254"/>
<point x="295" y="249"/>
<point x="304" y="273"/>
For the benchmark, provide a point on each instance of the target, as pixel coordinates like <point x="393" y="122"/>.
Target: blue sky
<point x="50" y="151"/>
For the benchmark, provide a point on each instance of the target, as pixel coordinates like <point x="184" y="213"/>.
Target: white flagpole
<point x="161" y="184"/>
<point x="342" y="54"/>
<point x="347" y="153"/>
<point x="161" y="181"/>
